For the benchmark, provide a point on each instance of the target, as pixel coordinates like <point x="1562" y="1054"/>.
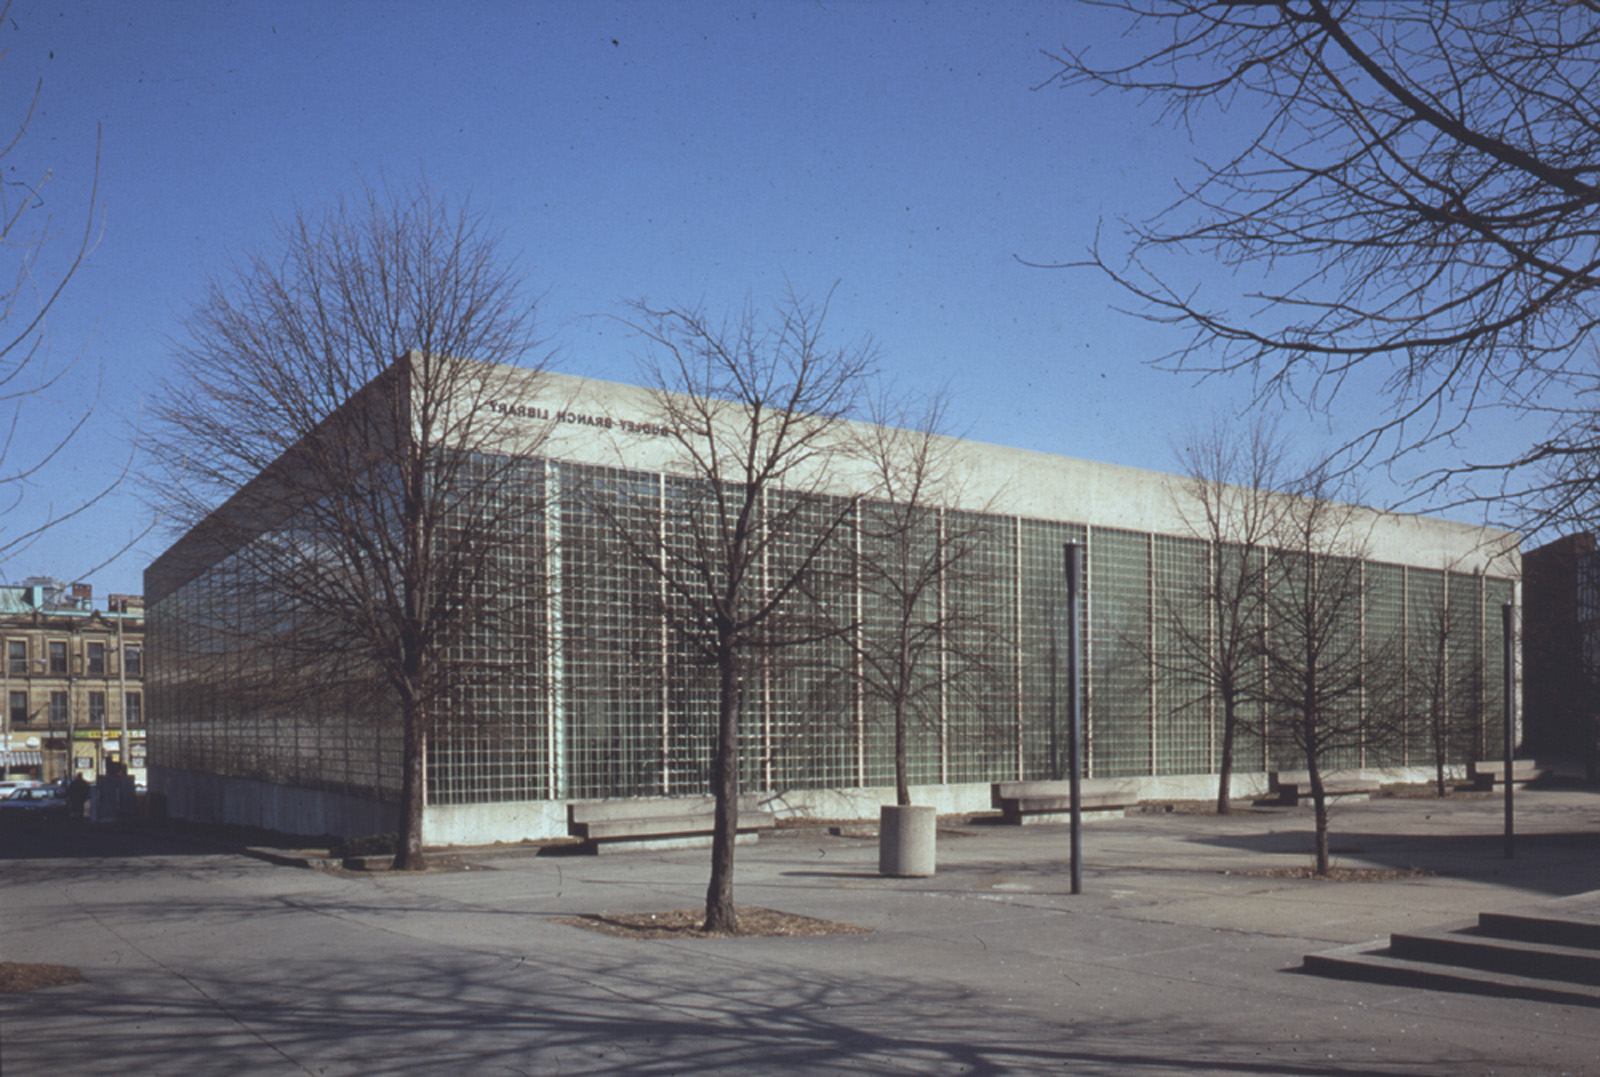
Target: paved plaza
<point x="1181" y="955"/>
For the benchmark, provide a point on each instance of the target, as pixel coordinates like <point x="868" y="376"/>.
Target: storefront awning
<point x="22" y="759"/>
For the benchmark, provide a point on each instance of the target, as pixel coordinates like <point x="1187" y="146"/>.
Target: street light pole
<point x="1508" y="629"/>
<point x="124" y="744"/>
<point x="1074" y="567"/>
<point x="5" y="715"/>
<point x="74" y="675"/>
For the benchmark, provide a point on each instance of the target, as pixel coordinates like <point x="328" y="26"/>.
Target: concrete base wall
<point x="863" y="804"/>
<point x="537" y="820"/>
<point x="486" y="824"/>
<point x="1255" y="783"/>
<point x="208" y="798"/>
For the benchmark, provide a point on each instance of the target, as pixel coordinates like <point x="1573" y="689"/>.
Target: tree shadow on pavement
<point x="1552" y="863"/>
<point x="52" y="839"/>
<point x="613" y="1011"/>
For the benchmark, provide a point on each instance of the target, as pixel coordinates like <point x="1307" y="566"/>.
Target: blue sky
<point x="686" y="152"/>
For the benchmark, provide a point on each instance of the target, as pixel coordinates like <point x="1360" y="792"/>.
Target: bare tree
<point x="918" y="640"/>
<point x="1413" y="187"/>
<point x="333" y="397"/>
<point x="1317" y="667"/>
<point x="1231" y="501"/>
<point x="37" y="272"/>
<point x="1561" y="490"/>
<point x="754" y="410"/>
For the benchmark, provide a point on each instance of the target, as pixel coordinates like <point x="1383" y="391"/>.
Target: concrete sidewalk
<point x="1180" y="956"/>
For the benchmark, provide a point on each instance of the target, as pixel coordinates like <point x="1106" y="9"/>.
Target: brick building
<point x="73" y="681"/>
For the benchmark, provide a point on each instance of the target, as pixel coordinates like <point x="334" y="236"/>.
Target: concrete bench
<point x="1051" y="801"/>
<point x="1291" y="786"/>
<point x="627" y="824"/>
<point x="1486" y="774"/>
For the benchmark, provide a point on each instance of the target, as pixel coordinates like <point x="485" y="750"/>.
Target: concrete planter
<point x="906" y="838"/>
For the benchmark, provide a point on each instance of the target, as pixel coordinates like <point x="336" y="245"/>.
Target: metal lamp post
<point x="1074" y="568"/>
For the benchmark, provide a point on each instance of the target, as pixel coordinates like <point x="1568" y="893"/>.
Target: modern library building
<point x="594" y="693"/>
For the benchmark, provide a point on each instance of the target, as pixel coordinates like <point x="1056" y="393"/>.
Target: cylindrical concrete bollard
<point x="906" y="838"/>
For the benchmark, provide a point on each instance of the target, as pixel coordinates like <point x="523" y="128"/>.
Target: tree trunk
<point x="720" y="914"/>
<point x="1312" y="742"/>
<point x="1230" y="723"/>
<point x="1319" y="801"/>
<point x="1320" y="808"/>
<point x="902" y="784"/>
<point x="408" y="854"/>
<point x="1439" y="748"/>
<point x="902" y="692"/>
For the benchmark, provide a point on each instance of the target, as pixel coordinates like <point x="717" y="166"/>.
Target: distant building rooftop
<point x="42" y="594"/>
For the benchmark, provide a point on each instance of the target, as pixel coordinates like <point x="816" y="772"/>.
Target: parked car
<point x="38" y="802"/>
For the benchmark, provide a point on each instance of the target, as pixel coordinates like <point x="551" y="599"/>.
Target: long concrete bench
<point x="1292" y="786"/>
<point x="626" y="824"/>
<point x="1487" y="774"/>
<point x="1051" y="801"/>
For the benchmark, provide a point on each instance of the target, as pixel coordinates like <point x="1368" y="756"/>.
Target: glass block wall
<point x="492" y="742"/>
<point x="1187" y="733"/>
<point x="1496" y="594"/>
<point x="608" y="653"/>
<point x="990" y="652"/>
<point x="222" y="707"/>
<point x="1040" y="606"/>
<point x="1384" y="624"/>
<point x="587" y="691"/>
<point x="801" y="703"/>
<point x="1121" y="703"/>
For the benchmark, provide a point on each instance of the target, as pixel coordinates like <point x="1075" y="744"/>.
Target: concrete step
<point x="1565" y="928"/>
<point x="1549" y="953"/>
<point x="665" y="826"/>
<point x="1373" y="963"/>
<point x="1518" y="957"/>
<point x="1487" y="774"/>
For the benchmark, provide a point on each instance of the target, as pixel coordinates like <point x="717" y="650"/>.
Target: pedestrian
<point x="77" y="796"/>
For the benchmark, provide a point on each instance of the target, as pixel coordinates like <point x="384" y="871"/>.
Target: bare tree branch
<point x="754" y="407"/>
<point x="339" y="436"/>
<point x="1317" y="667"/>
<point x="1416" y="192"/>
<point x="32" y="286"/>
<point x="1232" y="501"/>
<point x="924" y="635"/>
